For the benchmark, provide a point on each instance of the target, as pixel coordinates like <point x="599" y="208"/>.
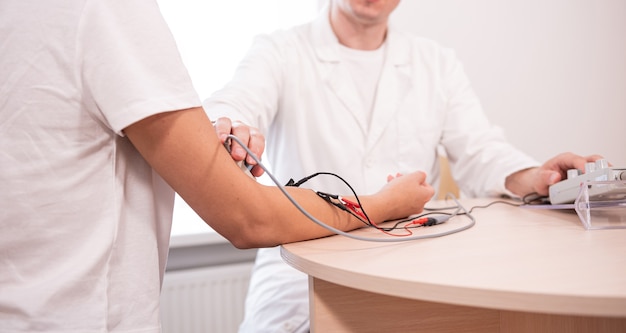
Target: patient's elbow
<point x="254" y="234"/>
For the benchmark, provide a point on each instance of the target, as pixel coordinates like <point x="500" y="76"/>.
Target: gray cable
<point x="349" y="235"/>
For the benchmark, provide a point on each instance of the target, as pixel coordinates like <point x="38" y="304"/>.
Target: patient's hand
<point x="407" y="193"/>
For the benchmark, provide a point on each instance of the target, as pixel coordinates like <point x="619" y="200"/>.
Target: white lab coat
<point x="294" y="87"/>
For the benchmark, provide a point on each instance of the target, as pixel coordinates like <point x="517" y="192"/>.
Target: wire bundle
<point x="356" y="210"/>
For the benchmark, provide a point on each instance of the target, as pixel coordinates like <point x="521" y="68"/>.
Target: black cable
<point x="356" y="197"/>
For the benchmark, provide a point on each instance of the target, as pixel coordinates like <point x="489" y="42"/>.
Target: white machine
<point x="611" y="187"/>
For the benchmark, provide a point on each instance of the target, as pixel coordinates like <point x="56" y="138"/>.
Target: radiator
<point x="204" y="300"/>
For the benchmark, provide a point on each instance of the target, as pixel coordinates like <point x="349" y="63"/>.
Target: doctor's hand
<point x="249" y="135"/>
<point x="538" y="180"/>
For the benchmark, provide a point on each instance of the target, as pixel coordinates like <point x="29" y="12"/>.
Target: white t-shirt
<point x="365" y="67"/>
<point x="84" y="220"/>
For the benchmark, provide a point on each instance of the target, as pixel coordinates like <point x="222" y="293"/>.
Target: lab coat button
<point x="288" y="327"/>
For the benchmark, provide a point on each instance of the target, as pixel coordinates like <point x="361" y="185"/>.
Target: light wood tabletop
<point x="514" y="264"/>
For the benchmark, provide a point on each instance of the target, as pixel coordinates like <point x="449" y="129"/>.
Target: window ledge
<point x="188" y="229"/>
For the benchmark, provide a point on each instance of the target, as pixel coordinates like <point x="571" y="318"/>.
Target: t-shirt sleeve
<point x="130" y="63"/>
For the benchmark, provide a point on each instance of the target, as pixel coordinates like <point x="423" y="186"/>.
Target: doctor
<point x="347" y="93"/>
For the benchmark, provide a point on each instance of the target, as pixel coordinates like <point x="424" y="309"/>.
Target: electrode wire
<point x="460" y="210"/>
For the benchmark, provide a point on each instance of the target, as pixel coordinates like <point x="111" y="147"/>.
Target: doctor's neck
<point x="357" y="35"/>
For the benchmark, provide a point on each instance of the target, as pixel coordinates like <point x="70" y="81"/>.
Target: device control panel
<point x="567" y="190"/>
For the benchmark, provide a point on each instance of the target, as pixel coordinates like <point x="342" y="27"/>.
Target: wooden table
<point x="516" y="270"/>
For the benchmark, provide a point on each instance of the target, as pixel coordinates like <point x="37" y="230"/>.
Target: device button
<point x="590" y="167"/>
<point x="572" y="173"/>
<point x="602" y="164"/>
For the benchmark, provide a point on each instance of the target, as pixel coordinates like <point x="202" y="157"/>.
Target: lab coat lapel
<point x="333" y="72"/>
<point x="393" y="86"/>
<point x="342" y="84"/>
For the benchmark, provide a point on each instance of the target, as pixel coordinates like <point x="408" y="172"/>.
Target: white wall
<point x="552" y="73"/>
<point x="213" y="36"/>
